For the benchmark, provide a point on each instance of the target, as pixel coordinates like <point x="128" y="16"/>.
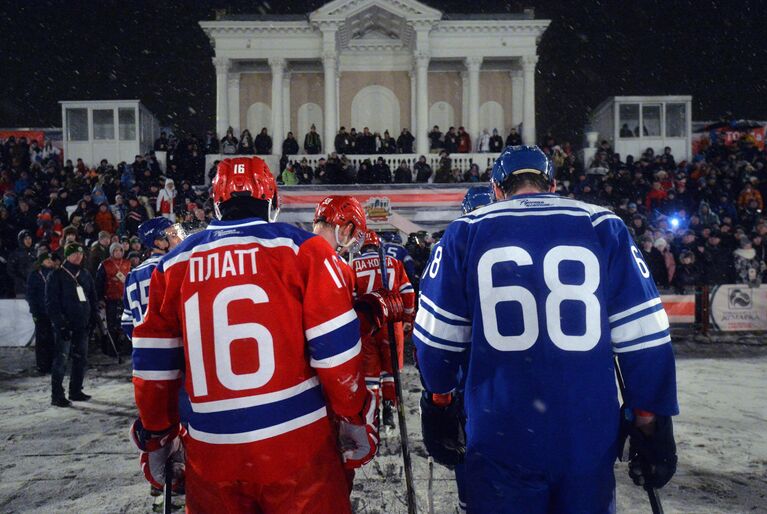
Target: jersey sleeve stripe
<point x="430" y="324"/>
<point x="337" y="359"/>
<point x="651" y="323"/>
<point x="331" y="325"/>
<point x="258" y="434"/>
<point x="423" y="339"/>
<point x="438" y="310"/>
<point x="332" y="273"/>
<point x="604" y="217"/>
<point x="406" y="288"/>
<point x="157" y="359"/>
<point x="647" y="344"/>
<point x="254" y="400"/>
<point x="171" y="374"/>
<point x="628" y="312"/>
<point x="157" y="342"/>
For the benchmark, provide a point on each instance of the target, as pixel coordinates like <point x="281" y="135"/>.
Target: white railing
<point x="462" y="161"/>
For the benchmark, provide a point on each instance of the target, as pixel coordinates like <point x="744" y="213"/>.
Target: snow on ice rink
<point x="80" y="460"/>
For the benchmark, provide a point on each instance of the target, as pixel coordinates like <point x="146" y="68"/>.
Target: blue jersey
<point x="531" y="298"/>
<point x="136" y="295"/>
<point x="400" y="253"/>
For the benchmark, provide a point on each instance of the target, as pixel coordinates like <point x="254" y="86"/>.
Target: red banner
<point x="39" y="135"/>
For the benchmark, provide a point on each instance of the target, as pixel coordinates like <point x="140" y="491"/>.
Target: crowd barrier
<point x="727" y="308"/>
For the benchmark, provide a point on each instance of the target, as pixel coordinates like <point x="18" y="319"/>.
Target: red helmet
<point x="245" y="176"/>
<point x="338" y="210"/>
<point x="371" y="239"/>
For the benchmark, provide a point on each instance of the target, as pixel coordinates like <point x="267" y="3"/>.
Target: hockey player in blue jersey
<point x="393" y="247"/>
<point x="160" y="235"/>
<point x="530" y="298"/>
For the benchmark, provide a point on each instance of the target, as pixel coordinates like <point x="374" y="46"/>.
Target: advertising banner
<point x="737" y="307"/>
<point x="679" y="307"/>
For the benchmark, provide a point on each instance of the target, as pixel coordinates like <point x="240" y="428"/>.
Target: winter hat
<point x="113" y="247"/>
<point x="104" y="234"/>
<point x="134" y="254"/>
<point x="73" y="248"/>
<point x="43" y="257"/>
<point x="661" y="244"/>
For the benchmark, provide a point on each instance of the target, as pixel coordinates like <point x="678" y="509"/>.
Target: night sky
<point x="156" y="52"/>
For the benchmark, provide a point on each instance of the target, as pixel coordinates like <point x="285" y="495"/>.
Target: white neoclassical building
<point x="382" y="64"/>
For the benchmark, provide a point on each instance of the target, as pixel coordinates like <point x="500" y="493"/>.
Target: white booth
<point x="116" y="130"/>
<point x="633" y="124"/>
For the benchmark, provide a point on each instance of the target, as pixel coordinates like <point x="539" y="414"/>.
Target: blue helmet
<point x="153" y="229"/>
<point x="515" y="160"/>
<point x="476" y="197"/>
<point x="391" y="237"/>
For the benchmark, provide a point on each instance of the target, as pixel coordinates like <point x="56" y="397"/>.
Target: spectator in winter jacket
<point x="105" y="220"/>
<point x="210" y="143"/>
<point x="110" y="286"/>
<point x="403" y="174"/>
<point x="655" y="198"/>
<point x="161" y="143"/>
<point x="435" y="139"/>
<point x="405" y="141"/>
<point x="464" y="141"/>
<point x="289" y="177"/>
<point x="422" y="170"/>
<point x="717" y="262"/>
<point x="263" y="143"/>
<point x="246" y="146"/>
<point x="70" y="297"/>
<point x="513" y="139"/>
<point x="496" y="142"/>
<point x="388" y="144"/>
<point x="305" y="172"/>
<point x="382" y="172"/>
<point x="654" y="260"/>
<point x="290" y="145"/>
<point x="136" y="215"/>
<point x="99" y="251"/>
<point x="707" y="217"/>
<point x="747" y="194"/>
<point x="229" y="142"/>
<point x="166" y="198"/>
<point x="20" y="263"/>
<point x="668" y="258"/>
<point x="451" y="141"/>
<point x="483" y="142"/>
<point x="687" y="274"/>
<point x="312" y="141"/>
<point x="748" y="268"/>
<point x="36" y="282"/>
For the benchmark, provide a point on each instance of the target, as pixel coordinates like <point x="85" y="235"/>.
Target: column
<point x="413" y="122"/>
<point x="528" y="119"/>
<point x="278" y="69"/>
<point x="464" y="100"/>
<point x="286" y="119"/>
<point x="472" y="67"/>
<point x="422" y="103"/>
<point x="222" y="95"/>
<point x="330" y="114"/>
<point x="517" y="97"/>
<point x="233" y="93"/>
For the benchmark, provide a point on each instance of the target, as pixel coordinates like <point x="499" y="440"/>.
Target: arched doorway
<point x="491" y="116"/>
<point x="259" y="116"/>
<point x="377" y="108"/>
<point x="308" y="114"/>
<point x="441" y="114"/>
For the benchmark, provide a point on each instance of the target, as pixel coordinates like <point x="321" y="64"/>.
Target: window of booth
<point x="127" y="117"/>
<point x="628" y="120"/>
<point x="651" y="123"/>
<point x="676" y="120"/>
<point x="77" y="124"/>
<point x="103" y="124"/>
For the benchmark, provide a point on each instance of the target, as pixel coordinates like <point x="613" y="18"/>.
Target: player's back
<point x="367" y="269"/>
<point x="537" y="273"/>
<point x="251" y="295"/>
<point x="136" y="295"/>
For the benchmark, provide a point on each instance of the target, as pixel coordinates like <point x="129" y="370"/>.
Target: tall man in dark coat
<point x="71" y="301"/>
<point x="36" y="282"/>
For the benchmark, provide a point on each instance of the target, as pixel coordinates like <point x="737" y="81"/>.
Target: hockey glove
<point x="652" y="458"/>
<point x="158" y="449"/>
<point x="358" y="436"/>
<point x="442" y="426"/>
<point x="379" y="308"/>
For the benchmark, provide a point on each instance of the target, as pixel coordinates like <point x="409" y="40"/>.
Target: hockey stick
<point x="411" y="498"/>
<point x="430" y="488"/>
<point x="652" y="493"/>
<point x="167" y="507"/>
<point x="105" y="329"/>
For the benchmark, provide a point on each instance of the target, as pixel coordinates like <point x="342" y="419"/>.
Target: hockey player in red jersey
<point x="270" y="342"/>
<point x="376" y="354"/>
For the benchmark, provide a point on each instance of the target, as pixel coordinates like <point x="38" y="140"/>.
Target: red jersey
<point x="368" y="277"/>
<point x="260" y="318"/>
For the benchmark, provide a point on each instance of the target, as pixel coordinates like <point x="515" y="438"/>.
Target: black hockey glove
<point x="443" y="430"/>
<point x="652" y="459"/>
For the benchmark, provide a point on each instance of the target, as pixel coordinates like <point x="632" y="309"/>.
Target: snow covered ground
<point x="80" y="459"/>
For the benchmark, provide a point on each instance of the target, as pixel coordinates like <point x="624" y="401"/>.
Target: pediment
<point x="339" y="10"/>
